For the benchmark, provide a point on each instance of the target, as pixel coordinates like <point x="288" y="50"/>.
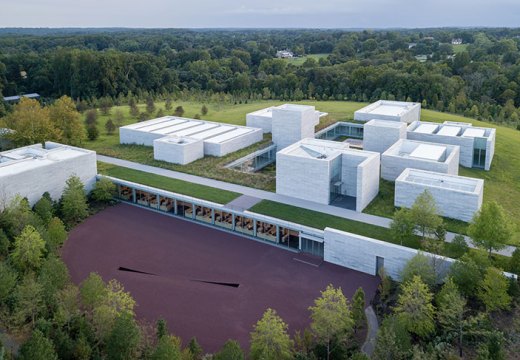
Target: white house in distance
<point x="218" y="139"/>
<point x="419" y="155"/>
<point x="477" y="144"/>
<point x="407" y="112"/>
<point x="284" y="54"/>
<point x="33" y="170"/>
<point x="323" y="170"/>
<point x="456" y="197"/>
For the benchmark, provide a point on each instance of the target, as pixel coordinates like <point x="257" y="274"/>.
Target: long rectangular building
<point x="219" y="139"/>
<point x="33" y="170"/>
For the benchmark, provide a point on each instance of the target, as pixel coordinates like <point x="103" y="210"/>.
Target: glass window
<point x="244" y="224"/>
<point x="289" y="238"/>
<point x="266" y="231"/>
<point x="185" y="209"/>
<point x="145" y="198"/>
<point x="125" y="192"/>
<point x="203" y="213"/>
<point x="166" y="204"/>
<point x="224" y="219"/>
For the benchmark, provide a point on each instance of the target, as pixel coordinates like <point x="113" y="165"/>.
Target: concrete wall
<point x="178" y="153"/>
<point x="465" y="144"/>
<point x="378" y="137"/>
<point x="365" y="114"/>
<point x="232" y="145"/>
<point x="368" y="182"/>
<point x="131" y="136"/>
<point x="360" y="253"/>
<point x="50" y="178"/>
<point x="450" y="203"/>
<point x="393" y="165"/>
<point x="259" y="121"/>
<point x="303" y="178"/>
<point x="490" y="149"/>
<point x="289" y="127"/>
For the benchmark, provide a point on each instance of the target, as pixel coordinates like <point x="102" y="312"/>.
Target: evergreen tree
<point x="204" y="110"/>
<point x="92" y="132"/>
<point x="74" y="205"/>
<point x="179" y="111"/>
<point x="358" y="309"/>
<point x="8" y="277"/>
<point x="493" y="290"/>
<point x="168" y="348"/>
<point x="110" y="127"/>
<point x="44" y="208"/>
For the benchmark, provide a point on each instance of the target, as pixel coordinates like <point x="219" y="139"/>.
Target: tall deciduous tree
<point x="269" y="339"/>
<point x="31" y="124"/>
<point x="104" y="190"/>
<point x="424" y="214"/>
<point x="358" y="309"/>
<point x="331" y="318"/>
<point x="56" y="234"/>
<point x="122" y="344"/>
<point x="490" y="229"/>
<point x="421" y="266"/>
<point x="450" y="312"/>
<point x="168" y="348"/>
<point x="67" y="119"/>
<point x="402" y="226"/>
<point x="415" y="308"/>
<point x="29" y="249"/>
<point x="28" y="301"/>
<point x="493" y="290"/>
<point x="74" y="201"/>
<point x="44" y="208"/>
<point x="230" y="351"/>
<point x="393" y="341"/>
<point x="38" y="347"/>
<point x="8" y="277"/>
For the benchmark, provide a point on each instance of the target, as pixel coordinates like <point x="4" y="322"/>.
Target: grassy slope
<point x="502" y="183"/>
<point x="161" y="182"/>
<point x="298" y="61"/>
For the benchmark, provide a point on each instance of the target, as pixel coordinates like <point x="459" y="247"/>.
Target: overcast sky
<point x="259" y="13"/>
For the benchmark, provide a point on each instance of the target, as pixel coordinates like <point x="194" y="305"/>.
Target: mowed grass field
<point x="502" y="183"/>
<point x="298" y="61"/>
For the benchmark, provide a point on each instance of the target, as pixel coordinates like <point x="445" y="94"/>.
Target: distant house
<point x="16" y="98"/>
<point x="456" y="41"/>
<point x="430" y="38"/>
<point x="284" y="54"/>
<point x="411" y="45"/>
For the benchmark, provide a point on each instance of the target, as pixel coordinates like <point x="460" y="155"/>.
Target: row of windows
<point x="265" y="231"/>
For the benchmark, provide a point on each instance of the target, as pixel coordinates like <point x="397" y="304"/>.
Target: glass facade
<point x="241" y="223"/>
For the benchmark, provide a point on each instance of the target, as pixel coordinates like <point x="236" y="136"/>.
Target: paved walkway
<point x="370" y="341"/>
<point x="267" y="195"/>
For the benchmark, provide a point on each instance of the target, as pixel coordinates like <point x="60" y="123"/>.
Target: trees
<point x="56" y="234"/>
<point x="179" y="111"/>
<point x="28" y="301"/>
<point x="402" y="226"/>
<point x="269" y="339"/>
<point x="110" y="127"/>
<point x="424" y="214"/>
<point x="458" y="246"/>
<point x="420" y="265"/>
<point x="331" y="318"/>
<point x="67" y="119"/>
<point x="104" y="190"/>
<point x="150" y="105"/>
<point x="123" y="339"/>
<point x="514" y="262"/>
<point x="28" y="250"/>
<point x="393" y="341"/>
<point x="91" y="117"/>
<point x="74" y="205"/>
<point x="38" y="347"/>
<point x="31" y="124"/>
<point x="8" y="279"/>
<point x="92" y="132"/>
<point x="168" y="104"/>
<point x="230" y="351"/>
<point x="204" y="110"/>
<point x="168" y="348"/>
<point x="415" y="308"/>
<point x="466" y="275"/>
<point x="358" y="309"/>
<point x="450" y="312"/>
<point x="490" y="228"/>
<point x="44" y="208"/>
<point x="493" y="290"/>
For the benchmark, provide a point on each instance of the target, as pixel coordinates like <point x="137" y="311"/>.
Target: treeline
<point x="480" y="81"/>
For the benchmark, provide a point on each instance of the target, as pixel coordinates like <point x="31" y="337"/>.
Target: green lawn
<point x="459" y="48"/>
<point x="165" y="183"/>
<point x="502" y="183"/>
<point x="298" y="61"/>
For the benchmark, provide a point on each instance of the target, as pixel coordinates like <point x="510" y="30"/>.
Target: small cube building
<point x="323" y="170"/>
<point x="33" y="170"/>
<point x="379" y="135"/>
<point x="263" y="118"/>
<point x="406" y="112"/>
<point x="419" y="155"/>
<point x="456" y="197"/>
<point x="178" y="150"/>
<point x="292" y="123"/>
<point x="477" y="144"/>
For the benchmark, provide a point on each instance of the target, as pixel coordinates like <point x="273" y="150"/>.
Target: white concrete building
<point x="33" y="170"/>
<point x="178" y="150"/>
<point x="456" y="197"/>
<point x="322" y="170"/>
<point x="419" y="155"/>
<point x="407" y="112"/>
<point x="380" y="135"/>
<point x="292" y="123"/>
<point x="477" y="144"/>
<point x="219" y="139"/>
<point x="263" y="118"/>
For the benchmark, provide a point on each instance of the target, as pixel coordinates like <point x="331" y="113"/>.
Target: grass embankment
<point x="502" y="183"/>
<point x="169" y="184"/>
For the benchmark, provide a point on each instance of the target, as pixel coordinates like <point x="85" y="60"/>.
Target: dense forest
<point x="477" y="78"/>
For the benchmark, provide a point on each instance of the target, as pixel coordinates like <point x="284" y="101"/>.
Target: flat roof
<point x="212" y="132"/>
<point x="315" y="148"/>
<point x="178" y="140"/>
<point x="171" y="129"/>
<point x="385" y="123"/>
<point x="229" y="135"/>
<point x="295" y="107"/>
<point x="197" y="128"/>
<point x="428" y="152"/>
<point x="449" y="130"/>
<point x="426" y="128"/>
<point x="161" y="125"/>
<point x="445" y="181"/>
<point x="474" y="132"/>
<point x="35" y="156"/>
